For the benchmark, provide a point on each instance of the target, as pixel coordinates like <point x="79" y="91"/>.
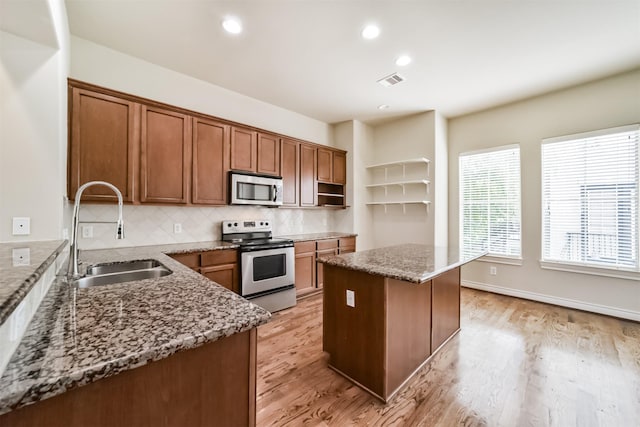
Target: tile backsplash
<point x="152" y="225"/>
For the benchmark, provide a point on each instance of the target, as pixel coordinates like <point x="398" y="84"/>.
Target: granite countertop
<point x="317" y="236"/>
<point x="409" y="262"/>
<point x="78" y="336"/>
<point x="21" y="265"/>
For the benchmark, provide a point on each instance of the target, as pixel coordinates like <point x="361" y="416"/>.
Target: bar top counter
<point x="409" y="262"/>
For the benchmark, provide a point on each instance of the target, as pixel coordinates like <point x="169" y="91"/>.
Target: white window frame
<point x="492" y="257"/>
<point x="580" y="267"/>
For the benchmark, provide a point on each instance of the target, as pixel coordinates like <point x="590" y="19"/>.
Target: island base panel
<point x="445" y="307"/>
<point x="354" y="336"/>
<point x="211" y="385"/>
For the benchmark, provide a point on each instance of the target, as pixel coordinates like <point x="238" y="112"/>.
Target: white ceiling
<point x="308" y="56"/>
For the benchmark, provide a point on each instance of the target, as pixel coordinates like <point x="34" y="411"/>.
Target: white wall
<point x="605" y="103"/>
<point x="33" y="112"/>
<point x="357" y="138"/>
<point x="405" y="138"/>
<point x="97" y="64"/>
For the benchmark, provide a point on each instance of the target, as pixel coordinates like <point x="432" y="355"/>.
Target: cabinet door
<point x="191" y="260"/>
<point x="244" y="150"/>
<point x="308" y="196"/>
<point x="210" y="162"/>
<point x="225" y="275"/>
<point x="268" y="154"/>
<point x="165" y="156"/>
<point x="445" y="303"/>
<point x="325" y="165"/>
<point x="290" y="170"/>
<point x="324" y="248"/>
<point x="305" y="266"/>
<point x="104" y="140"/>
<point x="339" y="167"/>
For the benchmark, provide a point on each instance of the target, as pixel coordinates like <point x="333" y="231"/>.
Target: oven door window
<point x="252" y="191"/>
<point x="270" y="266"/>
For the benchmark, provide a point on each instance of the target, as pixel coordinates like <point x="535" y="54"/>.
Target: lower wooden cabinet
<point x="305" y="267"/>
<point x="309" y="273"/>
<point x="221" y="266"/>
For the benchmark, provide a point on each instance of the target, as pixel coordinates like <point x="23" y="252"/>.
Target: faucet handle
<point x="120" y="230"/>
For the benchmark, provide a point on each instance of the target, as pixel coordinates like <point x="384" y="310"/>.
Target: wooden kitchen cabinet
<point x="103" y="145"/>
<point x="268" y="154"/>
<point x="324" y="248"/>
<point x="211" y="162"/>
<point x="222" y="267"/>
<point x="325" y="165"/>
<point x="332" y="166"/>
<point x="346" y="245"/>
<point x="290" y="171"/>
<point x="445" y="306"/>
<point x="191" y="260"/>
<point x="244" y="149"/>
<point x="308" y="155"/>
<point x="165" y="156"/>
<point x="305" y="253"/>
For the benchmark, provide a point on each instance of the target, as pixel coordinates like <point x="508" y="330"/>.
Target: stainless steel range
<point x="266" y="264"/>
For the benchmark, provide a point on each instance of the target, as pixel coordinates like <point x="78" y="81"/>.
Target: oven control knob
<point x="261" y="223"/>
<point x="266" y="223"/>
<point x="235" y="224"/>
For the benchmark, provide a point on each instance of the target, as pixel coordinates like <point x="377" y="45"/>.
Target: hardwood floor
<point x="514" y="363"/>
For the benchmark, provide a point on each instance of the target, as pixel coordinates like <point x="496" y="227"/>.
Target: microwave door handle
<point x="275" y="193"/>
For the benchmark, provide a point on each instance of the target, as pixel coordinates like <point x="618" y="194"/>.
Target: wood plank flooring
<point x="514" y="363"/>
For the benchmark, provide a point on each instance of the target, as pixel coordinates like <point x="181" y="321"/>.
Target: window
<point x="590" y="199"/>
<point x="490" y="202"/>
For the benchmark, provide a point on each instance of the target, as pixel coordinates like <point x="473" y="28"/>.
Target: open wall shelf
<point x="406" y="174"/>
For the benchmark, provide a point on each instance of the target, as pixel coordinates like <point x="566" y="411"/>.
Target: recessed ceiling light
<point x="232" y="25"/>
<point x="371" y="31"/>
<point x="403" y="60"/>
<point x="383" y="107"/>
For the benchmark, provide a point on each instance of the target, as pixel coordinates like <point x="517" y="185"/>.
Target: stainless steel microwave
<point x="252" y="189"/>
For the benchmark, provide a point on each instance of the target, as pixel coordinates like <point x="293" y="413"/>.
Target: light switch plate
<point x="87" y="232"/>
<point x="21" y="226"/>
<point x="177" y="228"/>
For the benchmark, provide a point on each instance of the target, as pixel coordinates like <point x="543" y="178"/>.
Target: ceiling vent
<point x="392" y="79"/>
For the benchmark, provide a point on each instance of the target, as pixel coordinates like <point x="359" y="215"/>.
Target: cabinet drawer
<point x="226" y="256"/>
<point x="347" y="242"/>
<point x="191" y="260"/>
<point x="327" y="244"/>
<point x="304" y="247"/>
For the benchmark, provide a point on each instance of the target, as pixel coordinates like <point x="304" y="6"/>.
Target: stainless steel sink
<point x="121" y="272"/>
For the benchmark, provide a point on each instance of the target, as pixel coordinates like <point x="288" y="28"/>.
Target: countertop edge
<point x="14" y="300"/>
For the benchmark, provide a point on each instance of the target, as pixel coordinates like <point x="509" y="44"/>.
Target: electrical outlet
<point x="21" y="226"/>
<point x="351" y="298"/>
<point x="21" y="257"/>
<point x="87" y="232"/>
<point x="493" y="270"/>
<point x="177" y="228"/>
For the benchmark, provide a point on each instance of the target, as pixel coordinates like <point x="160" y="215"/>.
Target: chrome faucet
<point x="73" y="257"/>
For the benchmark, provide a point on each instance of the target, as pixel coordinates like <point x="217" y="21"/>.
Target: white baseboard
<point x="564" y="302"/>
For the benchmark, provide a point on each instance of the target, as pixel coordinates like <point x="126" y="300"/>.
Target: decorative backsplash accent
<point x="153" y="225"/>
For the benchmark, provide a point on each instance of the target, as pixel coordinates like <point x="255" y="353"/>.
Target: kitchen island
<point x="387" y="311"/>
<point x="174" y="350"/>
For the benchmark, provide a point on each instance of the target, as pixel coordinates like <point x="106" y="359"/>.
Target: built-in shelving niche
<point x="331" y="195"/>
<point x="401" y="183"/>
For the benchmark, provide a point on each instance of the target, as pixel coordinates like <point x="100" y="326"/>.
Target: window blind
<point x="590" y="198"/>
<point x="490" y="201"/>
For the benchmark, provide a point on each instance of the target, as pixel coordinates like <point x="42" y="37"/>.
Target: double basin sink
<point x="121" y="272"/>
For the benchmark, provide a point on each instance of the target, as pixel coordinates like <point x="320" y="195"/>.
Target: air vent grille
<point x="391" y="79"/>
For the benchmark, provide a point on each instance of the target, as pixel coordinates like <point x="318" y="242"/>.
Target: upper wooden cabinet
<point x="255" y="152"/>
<point x="104" y="132"/>
<point x="165" y="156"/>
<point x="210" y="162"/>
<point x="308" y="165"/>
<point x="160" y="154"/>
<point x="244" y="149"/>
<point x="290" y="170"/>
<point x="268" y="154"/>
<point x="332" y="166"/>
